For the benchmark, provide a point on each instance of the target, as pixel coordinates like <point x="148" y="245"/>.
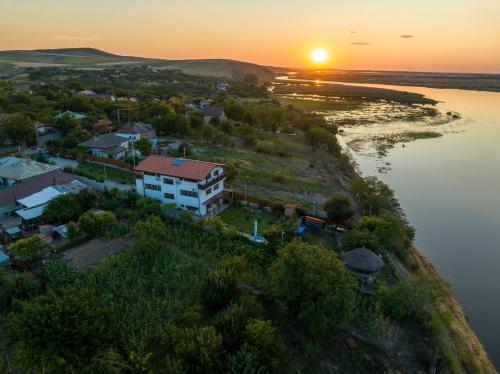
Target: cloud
<point x="353" y="32"/>
<point x="407" y="36"/>
<point x="361" y="43"/>
<point x="72" y="37"/>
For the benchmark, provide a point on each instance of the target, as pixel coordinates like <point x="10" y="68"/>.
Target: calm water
<point x="450" y="190"/>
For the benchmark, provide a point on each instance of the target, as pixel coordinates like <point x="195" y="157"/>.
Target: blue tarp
<point x="300" y="230"/>
<point x="4" y="259"/>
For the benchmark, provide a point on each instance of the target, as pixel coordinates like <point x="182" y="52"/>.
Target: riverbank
<point x="462" y="340"/>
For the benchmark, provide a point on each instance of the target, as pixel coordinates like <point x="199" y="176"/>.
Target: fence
<point x="54" y="151"/>
<point x="104" y="186"/>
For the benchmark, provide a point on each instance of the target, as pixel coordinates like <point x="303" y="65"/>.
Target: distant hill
<point x="94" y="57"/>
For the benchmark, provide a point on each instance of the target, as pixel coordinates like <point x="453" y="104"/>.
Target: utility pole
<point x="133" y="154"/>
<point x="105" y="175"/>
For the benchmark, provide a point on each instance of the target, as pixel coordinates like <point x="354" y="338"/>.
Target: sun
<point x="319" y="55"/>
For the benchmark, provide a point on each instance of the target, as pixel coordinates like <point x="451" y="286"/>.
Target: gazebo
<point x="364" y="263"/>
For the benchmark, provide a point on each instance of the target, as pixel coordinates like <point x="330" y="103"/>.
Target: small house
<point x="213" y="112"/>
<point x="107" y="146"/>
<point x="136" y="130"/>
<point x="364" y="264"/>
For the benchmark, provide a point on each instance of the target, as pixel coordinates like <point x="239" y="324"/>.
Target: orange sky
<point x="441" y="35"/>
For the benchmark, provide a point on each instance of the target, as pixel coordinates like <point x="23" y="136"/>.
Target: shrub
<point x="315" y="285"/>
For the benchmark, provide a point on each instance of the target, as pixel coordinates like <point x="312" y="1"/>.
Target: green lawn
<point x="326" y="240"/>
<point x="96" y="172"/>
<point x="243" y="218"/>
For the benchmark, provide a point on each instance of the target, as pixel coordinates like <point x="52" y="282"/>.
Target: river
<point x="449" y="188"/>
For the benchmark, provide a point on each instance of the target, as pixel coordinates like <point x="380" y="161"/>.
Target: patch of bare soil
<point x="90" y="253"/>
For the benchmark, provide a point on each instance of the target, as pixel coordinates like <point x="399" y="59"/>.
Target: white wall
<point x="181" y="201"/>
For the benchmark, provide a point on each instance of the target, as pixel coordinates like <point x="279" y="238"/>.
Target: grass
<point x="96" y="172"/>
<point x="302" y="178"/>
<point x="243" y="218"/>
<point x="316" y="104"/>
<point x="327" y="241"/>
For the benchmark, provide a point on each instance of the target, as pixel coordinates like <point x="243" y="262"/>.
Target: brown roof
<point x="32" y="185"/>
<point x="176" y="167"/>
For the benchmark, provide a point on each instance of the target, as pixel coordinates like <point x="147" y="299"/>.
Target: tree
<point x="386" y="231"/>
<point x="231" y="170"/>
<point x="29" y="250"/>
<point x="60" y="332"/>
<point x="314" y="284"/>
<point x="16" y="285"/>
<point x="62" y="209"/>
<point x="144" y="146"/>
<point x="263" y="337"/>
<point x="18" y="129"/>
<point x="339" y="209"/>
<point x="188" y="350"/>
<point x="96" y="224"/>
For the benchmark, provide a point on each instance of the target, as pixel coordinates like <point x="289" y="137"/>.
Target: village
<point x="218" y="204"/>
<point x="199" y="187"/>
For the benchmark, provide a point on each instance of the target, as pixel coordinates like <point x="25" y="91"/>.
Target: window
<point x="189" y="193"/>
<point x="170" y="196"/>
<point x="153" y="187"/>
<point x="216" y="187"/>
<point x="216" y="173"/>
<point x="168" y="181"/>
<point x="208" y="191"/>
<point x="192" y="208"/>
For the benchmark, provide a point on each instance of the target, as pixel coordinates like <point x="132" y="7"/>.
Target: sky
<point x="421" y="35"/>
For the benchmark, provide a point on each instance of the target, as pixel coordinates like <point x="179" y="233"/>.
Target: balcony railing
<point x="211" y="182"/>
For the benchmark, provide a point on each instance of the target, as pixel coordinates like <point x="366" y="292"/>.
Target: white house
<point x="136" y="130"/>
<point x="193" y="185"/>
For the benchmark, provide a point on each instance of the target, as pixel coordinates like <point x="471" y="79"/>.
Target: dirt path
<point x="90" y="253"/>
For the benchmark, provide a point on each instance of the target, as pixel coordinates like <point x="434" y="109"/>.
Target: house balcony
<point x="211" y="182"/>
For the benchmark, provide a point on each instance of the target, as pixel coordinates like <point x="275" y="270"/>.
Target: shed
<point x="4" y="259"/>
<point x="362" y="260"/>
<point x="289" y="209"/>
<point x="364" y="264"/>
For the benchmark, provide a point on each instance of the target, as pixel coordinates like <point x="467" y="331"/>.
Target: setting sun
<point x="319" y="55"/>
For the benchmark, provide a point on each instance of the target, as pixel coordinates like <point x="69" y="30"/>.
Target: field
<point x="96" y="172"/>
<point x="306" y="177"/>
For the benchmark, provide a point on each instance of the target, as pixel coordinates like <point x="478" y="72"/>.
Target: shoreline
<point x="463" y="340"/>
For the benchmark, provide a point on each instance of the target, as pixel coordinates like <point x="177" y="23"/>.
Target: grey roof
<point x="213" y="111"/>
<point x="362" y="259"/>
<point x="136" y="128"/>
<point x="21" y="168"/>
<point x="104" y="141"/>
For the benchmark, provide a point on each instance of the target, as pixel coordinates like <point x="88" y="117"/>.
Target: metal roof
<point x="105" y="141"/>
<point x="31" y="213"/>
<point x="31" y="185"/>
<point x="4" y="259"/>
<point x="39" y="198"/>
<point x="16" y="168"/>
<point x="362" y="259"/>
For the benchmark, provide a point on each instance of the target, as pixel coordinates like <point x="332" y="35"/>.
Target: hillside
<point x="94" y="57"/>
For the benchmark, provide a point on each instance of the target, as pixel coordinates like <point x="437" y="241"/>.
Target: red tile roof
<point x="32" y="185"/>
<point x="175" y="167"/>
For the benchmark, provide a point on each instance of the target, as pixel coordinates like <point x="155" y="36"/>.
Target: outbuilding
<point x="364" y="264"/>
